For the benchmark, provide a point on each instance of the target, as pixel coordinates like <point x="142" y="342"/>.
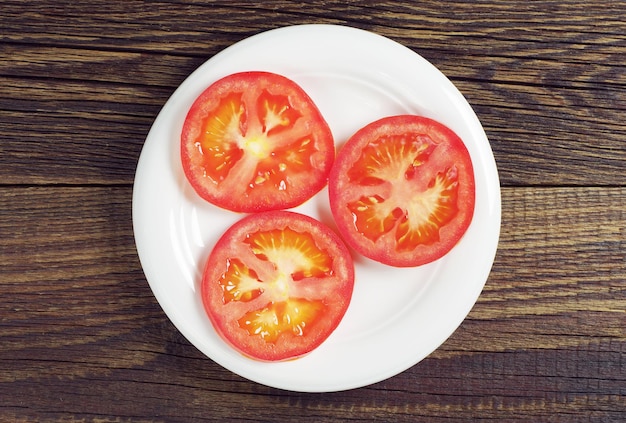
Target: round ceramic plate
<point x="397" y="316"/>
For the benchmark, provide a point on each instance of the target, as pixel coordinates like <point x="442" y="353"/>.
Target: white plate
<point x="397" y="316"/>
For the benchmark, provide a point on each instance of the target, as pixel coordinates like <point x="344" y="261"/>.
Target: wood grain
<point x="537" y="139"/>
<point x="82" y="338"/>
<point x="79" y="322"/>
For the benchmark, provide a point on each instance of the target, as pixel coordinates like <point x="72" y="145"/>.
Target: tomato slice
<point x="255" y="141"/>
<point x="277" y="284"/>
<point x="402" y="191"/>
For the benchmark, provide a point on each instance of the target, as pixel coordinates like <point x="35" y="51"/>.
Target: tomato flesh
<point x="255" y="141"/>
<point x="277" y="284"/>
<point x="402" y="190"/>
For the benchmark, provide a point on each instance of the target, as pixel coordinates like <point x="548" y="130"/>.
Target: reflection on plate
<point x="397" y="316"/>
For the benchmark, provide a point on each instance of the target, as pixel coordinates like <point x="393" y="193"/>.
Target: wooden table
<point x="82" y="338"/>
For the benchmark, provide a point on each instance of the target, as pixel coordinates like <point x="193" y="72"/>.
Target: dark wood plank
<point x="551" y="98"/>
<point x="25" y="62"/>
<point x="546" y="133"/>
<point x="72" y="132"/>
<point x="83" y="337"/>
<point x="176" y="26"/>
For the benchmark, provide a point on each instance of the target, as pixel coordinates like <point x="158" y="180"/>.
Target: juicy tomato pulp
<point x="277" y="284"/>
<point x="255" y="141"/>
<point x="402" y="190"/>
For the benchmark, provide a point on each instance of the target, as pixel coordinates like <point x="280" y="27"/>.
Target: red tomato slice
<point x="277" y="284"/>
<point x="402" y="190"/>
<point x="255" y="141"/>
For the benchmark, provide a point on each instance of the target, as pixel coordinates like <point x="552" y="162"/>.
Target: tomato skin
<point x="402" y="190"/>
<point x="255" y="141"/>
<point x="277" y="284"/>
